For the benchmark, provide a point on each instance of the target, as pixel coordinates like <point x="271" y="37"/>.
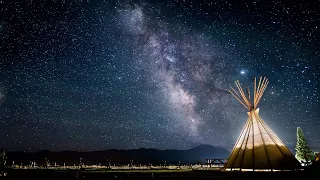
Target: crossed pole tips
<point x="245" y="97"/>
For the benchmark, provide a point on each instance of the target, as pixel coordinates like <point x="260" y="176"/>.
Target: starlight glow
<point x="94" y="75"/>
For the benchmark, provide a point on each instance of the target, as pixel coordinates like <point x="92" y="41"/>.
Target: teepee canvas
<point x="258" y="147"/>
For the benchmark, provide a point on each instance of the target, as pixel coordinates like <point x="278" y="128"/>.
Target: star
<point x="118" y="74"/>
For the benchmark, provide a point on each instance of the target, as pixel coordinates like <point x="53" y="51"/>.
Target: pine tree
<point x="3" y="160"/>
<point x="303" y="152"/>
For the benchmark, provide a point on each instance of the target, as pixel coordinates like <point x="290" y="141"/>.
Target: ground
<point x="155" y="174"/>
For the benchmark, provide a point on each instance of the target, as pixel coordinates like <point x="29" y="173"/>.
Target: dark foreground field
<point x="157" y="174"/>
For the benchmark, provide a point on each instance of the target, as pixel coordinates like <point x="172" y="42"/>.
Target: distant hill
<point x="139" y="156"/>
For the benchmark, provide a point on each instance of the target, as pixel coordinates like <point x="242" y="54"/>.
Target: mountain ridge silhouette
<point x="119" y="156"/>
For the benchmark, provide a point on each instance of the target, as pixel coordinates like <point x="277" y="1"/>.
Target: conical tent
<point x="258" y="147"/>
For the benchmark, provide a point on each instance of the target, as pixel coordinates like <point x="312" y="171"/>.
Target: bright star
<point x="242" y="72"/>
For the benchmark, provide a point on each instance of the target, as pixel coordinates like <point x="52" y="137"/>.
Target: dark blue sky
<point x="94" y="75"/>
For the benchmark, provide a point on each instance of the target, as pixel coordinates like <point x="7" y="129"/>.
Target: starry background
<point x="94" y="75"/>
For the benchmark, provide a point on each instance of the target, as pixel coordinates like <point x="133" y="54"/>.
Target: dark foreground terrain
<point x="152" y="174"/>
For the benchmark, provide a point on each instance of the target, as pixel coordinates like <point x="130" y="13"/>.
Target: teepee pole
<point x="257" y="92"/>
<point x="235" y="92"/>
<point x="245" y="135"/>
<point x="282" y="144"/>
<point x="252" y="143"/>
<point x="259" y="89"/>
<point x="242" y="94"/>
<point x="238" y="99"/>
<point x="264" y="88"/>
<point x="254" y="92"/>
<point x="271" y="136"/>
<point x="245" y="147"/>
<point x="262" y="91"/>
<point x="267" y="127"/>
<point x="234" y="147"/>
<point x="264" y="145"/>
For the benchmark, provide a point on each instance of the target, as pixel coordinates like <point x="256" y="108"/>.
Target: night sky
<point x="95" y="75"/>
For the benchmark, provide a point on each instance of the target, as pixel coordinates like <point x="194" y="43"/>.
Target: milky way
<point x="188" y="71"/>
<point x="95" y="75"/>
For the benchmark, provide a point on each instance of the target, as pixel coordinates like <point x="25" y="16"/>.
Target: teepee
<point x="258" y="147"/>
